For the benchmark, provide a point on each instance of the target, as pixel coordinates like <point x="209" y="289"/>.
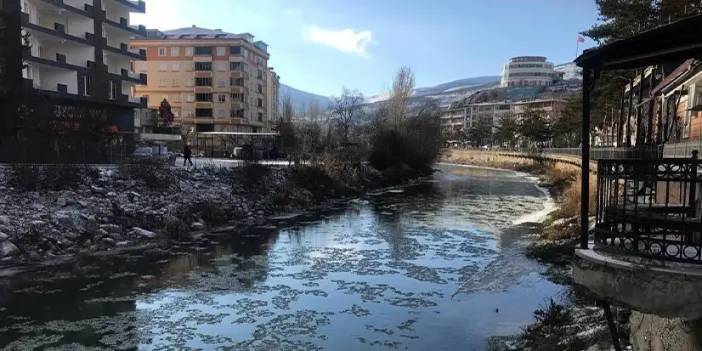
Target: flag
<point x="581" y="39"/>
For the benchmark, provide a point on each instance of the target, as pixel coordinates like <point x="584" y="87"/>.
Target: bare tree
<point x="402" y="89"/>
<point x="346" y="110"/>
<point x="286" y="130"/>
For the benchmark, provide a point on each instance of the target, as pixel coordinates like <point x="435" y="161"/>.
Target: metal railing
<point x="650" y="207"/>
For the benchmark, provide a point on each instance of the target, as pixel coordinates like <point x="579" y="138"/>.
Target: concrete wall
<point x="652" y="333"/>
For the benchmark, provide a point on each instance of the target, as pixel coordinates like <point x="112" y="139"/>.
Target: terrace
<point x="645" y="248"/>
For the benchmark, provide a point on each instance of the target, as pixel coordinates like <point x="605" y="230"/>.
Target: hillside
<point x="302" y="99"/>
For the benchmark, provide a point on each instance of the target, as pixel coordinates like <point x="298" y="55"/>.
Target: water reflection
<point x="423" y="267"/>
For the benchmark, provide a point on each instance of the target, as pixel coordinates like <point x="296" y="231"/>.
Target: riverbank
<point x="577" y="324"/>
<point x="61" y="212"/>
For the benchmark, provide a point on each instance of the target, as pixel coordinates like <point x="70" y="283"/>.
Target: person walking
<point x="187" y="156"/>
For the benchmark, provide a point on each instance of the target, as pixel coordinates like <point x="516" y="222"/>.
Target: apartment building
<point x="528" y="71"/>
<point x="462" y="116"/>
<point x="214" y="81"/>
<point x="74" y="63"/>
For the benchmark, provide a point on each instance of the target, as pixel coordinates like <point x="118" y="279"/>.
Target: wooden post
<point x="628" y="114"/>
<point x="585" y="163"/>
<point x="611" y="325"/>
<point x="640" y="136"/>
<point x="620" y="125"/>
<point x="651" y="105"/>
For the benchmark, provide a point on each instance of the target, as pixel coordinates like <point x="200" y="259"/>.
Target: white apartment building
<point x="527" y="71"/>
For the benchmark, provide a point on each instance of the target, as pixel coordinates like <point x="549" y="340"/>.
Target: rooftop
<point x="195" y="32"/>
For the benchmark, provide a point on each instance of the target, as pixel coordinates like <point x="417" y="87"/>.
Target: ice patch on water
<point x="538" y="216"/>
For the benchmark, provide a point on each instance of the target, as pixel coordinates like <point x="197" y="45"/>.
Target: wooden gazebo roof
<point x="676" y="41"/>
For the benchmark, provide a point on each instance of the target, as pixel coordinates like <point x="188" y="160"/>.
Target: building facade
<point x="75" y="80"/>
<point x="214" y="81"/>
<point x="528" y="71"/>
<point x="462" y="116"/>
<point x="569" y="71"/>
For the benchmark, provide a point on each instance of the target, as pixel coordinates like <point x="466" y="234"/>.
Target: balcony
<point x="123" y="49"/>
<point x="60" y="24"/>
<point x="134" y="6"/>
<point x="651" y="208"/>
<point x="79" y="7"/>
<point x="123" y="25"/>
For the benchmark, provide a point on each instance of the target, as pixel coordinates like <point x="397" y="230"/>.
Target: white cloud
<point x="345" y="40"/>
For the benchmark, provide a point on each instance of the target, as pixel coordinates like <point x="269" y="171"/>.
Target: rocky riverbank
<point x="62" y="212"/>
<point x="576" y="322"/>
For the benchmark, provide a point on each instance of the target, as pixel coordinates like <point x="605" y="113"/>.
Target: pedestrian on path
<point x="187" y="156"/>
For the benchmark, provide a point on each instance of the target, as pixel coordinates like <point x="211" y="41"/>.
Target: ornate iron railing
<point x="651" y="207"/>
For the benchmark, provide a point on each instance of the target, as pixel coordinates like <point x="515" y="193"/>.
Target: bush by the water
<point x="415" y="143"/>
<point x="155" y="174"/>
<point x="31" y="177"/>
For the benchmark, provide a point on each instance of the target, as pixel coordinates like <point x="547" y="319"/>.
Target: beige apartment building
<point x="462" y="116"/>
<point x="214" y="81"/>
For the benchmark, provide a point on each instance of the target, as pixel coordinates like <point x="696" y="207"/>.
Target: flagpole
<point x="579" y="40"/>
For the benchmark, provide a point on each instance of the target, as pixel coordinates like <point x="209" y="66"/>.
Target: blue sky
<point x="322" y="45"/>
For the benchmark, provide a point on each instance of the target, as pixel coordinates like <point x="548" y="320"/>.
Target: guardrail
<point x="650" y="207"/>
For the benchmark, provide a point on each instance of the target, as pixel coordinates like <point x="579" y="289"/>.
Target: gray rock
<point x="111" y="194"/>
<point x="111" y="228"/>
<point x="108" y="241"/>
<point x="7" y="248"/>
<point x="3" y="236"/>
<point x="197" y="226"/>
<point x="144" y="233"/>
<point x="5" y="220"/>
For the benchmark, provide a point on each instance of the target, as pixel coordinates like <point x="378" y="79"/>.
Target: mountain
<point x="446" y="93"/>
<point x="302" y="99"/>
<point x="459" y="85"/>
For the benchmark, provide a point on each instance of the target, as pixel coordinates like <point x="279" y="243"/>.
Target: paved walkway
<point x="226" y="162"/>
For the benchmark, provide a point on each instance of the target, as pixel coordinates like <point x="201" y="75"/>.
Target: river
<point x="438" y="266"/>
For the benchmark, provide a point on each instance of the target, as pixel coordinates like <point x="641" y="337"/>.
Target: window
<point x="260" y="89"/>
<point x="221" y="98"/>
<point x="259" y="103"/>
<point x="141" y="66"/>
<point x="176" y="82"/>
<point x="203" y="112"/>
<point x="176" y="98"/>
<point x="190" y="82"/>
<point x="221" y="51"/>
<point x="203" y="97"/>
<point x="235" y="50"/>
<point x="203" y="66"/>
<point x="221" y="83"/>
<point x="260" y="116"/>
<point x="220" y="113"/>
<point x="235" y="66"/>
<point x="87" y="85"/>
<point x="190" y="98"/>
<point x="238" y="114"/>
<point x="175" y="67"/>
<point x="189" y="51"/>
<point x="163" y="82"/>
<point x="203" y="82"/>
<point x="260" y="74"/>
<point x="113" y="89"/>
<point x="161" y="51"/>
<point x="175" y="51"/>
<point x="220" y="66"/>
<point x="237" y="97"/>
<point x="203" y="50"/>
<point x="163" y="67"/>
<point x="237" y="82"/>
